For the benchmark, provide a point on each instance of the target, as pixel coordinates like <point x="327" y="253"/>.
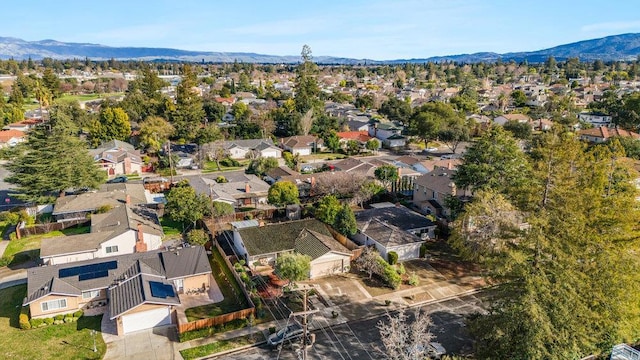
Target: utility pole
<point x="305" y="324"/>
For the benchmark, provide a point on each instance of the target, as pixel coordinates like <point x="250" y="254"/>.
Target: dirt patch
<point x="446" y="261"/>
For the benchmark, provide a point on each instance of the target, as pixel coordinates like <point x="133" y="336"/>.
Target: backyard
<point x="234" y="299"/>
<point x="172" y="229"/>
<point x="64" y="341"/>
<point x="28" y="247"/>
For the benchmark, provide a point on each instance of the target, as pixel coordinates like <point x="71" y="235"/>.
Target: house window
<point x="90" y="294"/>
<point x="54" y="304"/>
<point x="112" y="249"/>
<point x="434" y="195"/>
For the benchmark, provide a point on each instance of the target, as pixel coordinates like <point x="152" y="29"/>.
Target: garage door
<point x="326" y="268"/>
<point x="146" y="319"/>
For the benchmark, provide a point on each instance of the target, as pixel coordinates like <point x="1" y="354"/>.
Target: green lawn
<point x="65" y="341"/>
<point x="210" y="166"/>
<point x="218" y="346"/>
<point x="229" y="287"/>
<point x="88" y="97"/>
<point x="28" y="247"/>
<point x="172" y="229"/>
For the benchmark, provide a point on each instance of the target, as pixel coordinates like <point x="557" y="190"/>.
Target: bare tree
<point x="338" y="183"/>
<point x="404" y="338"/>
<point x="369" y="262"/>
<point x="306" y="122"/>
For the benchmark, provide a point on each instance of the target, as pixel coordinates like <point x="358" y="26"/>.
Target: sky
<point x="362" y="29"/>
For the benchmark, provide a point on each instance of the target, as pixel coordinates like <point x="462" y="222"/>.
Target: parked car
<point x="292" y="331"/>
<point x="436" y="350"/>
<point x="118" y="179"/>
<point x="431" y="149"/>
<point x="306" y="169"/>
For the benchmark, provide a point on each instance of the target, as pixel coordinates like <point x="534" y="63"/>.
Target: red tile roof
<point x="7" y="135"/>
<point x="606" y="133"/>
<point x="362" y="136"/>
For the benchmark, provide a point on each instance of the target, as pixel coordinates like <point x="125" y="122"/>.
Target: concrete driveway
<point x="152" y="344"/>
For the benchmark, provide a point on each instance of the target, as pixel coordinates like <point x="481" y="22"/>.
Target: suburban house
<point x="276" y="174"/>
<point x="243" y="149"/>
<point x="393" y="228"/>
<point x="602" y="134"/>
<point x="354" y="165"/>
<point x="11" y="138"/>
<point x="596" y="119"/>
<point x="24" y="125"/>
<point x="388" y="133"/>
<point x="125" y="229"/>
<point x="503" y="119"/>
<point x="358" y="125"/>
<point x="138" y="291"/>
<point x="118" y="158"/>
<point x="410" y="162"/>
<point x="431" y="191"/>
<point x="261" y="245"/>
<point x="239" y="190"/>
<point x="80" y="206"/>
<point x="302" y="144"/>
<point x="361" y="137"/>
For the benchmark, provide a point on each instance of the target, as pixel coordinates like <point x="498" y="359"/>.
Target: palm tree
<point x="43" y="95"/>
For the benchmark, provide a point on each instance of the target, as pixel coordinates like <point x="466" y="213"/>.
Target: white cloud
<point x="612" y="26"/>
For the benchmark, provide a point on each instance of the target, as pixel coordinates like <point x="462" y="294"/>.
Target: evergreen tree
<point x="189" y="114"/>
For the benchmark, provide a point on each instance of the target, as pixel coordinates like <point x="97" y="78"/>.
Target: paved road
<point x="360" y="339"/>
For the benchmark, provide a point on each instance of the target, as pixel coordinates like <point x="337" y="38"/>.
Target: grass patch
<point x="218" y="346"/>
<point x="28" y="247"/>
<point x="172" y="229"/>
<point x="88" y="97"/>
<point x="65" y="341"/>
<point x="229" y="288"/>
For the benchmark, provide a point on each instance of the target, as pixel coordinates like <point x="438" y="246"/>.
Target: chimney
<point x="399" y="172"/>
<point x="140" y="245"/>
<point x="449" y="165"/>
<point x="127" y="199"/>
<point x="313" y="181"/>
<point x="247" y="187"/>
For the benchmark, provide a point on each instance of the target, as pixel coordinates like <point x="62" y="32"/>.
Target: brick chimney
<point x="313" y="181"/>
<point x="127" y="199"/>
<point x="247" y="188"/>
<point x="140" y="244"/>
<point x="449" y="165"/>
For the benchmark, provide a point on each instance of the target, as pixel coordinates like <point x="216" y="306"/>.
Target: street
<point x="360" y="339"/>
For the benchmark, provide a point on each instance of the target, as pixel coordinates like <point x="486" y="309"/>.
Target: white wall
<point x="239" y="245"/>
<point x="153" y="241"/>
<point x="301" y="151"/>
<point x="126" y="244"/>
<point x="274" y="153"/>
<point x="408" y="251"/>
<point x="65" y="259"/>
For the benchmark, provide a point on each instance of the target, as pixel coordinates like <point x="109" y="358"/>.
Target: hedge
<point x="393" y="257"/>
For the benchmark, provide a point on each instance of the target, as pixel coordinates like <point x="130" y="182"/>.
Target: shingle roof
<point x="108" y="195"/>
<point x="606" y="133"/>
<point x="386" y="234"/>
<point x="315" y="245"/>
<point x="128" y="282"/>
<point x="398" y="216"/>
<point x="274" y="238"/>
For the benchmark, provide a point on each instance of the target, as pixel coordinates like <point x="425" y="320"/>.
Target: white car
<point x="293" y="331"/>
<point x="436" y="350"/>
<point x="431" y="149"/>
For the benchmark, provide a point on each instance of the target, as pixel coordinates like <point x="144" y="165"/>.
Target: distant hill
<point x="616" y="47"/>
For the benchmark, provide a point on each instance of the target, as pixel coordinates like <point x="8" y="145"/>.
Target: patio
<point x="212" y="296"/>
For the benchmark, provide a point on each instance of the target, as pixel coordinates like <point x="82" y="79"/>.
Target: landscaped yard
<point x="28" y="247"/>
<point x="65" y="341"/>
<point x="234" y="299"/>
<point x="172" y="229"/>
<point x="218" y="346"/>
<point x="211" y="166"/>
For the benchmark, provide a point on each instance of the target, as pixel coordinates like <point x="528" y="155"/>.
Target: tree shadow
<point x="89" y="322"/>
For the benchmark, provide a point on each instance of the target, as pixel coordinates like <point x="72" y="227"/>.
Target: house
<point x="276" y="174"/>
<point x="138" y="291"/>
<point x="117" y="158"/>
<point x="361" y="137"/>
<point x="384" y="130"/>
<point x="24" y="125"/>
<point x="432" y="190"/>
<point x="596" y="119"/>
<point x="602" y="134"/>
<point x="240" y="190"/>
<point x="124" y="229"/>
<point x="357" y="125"/>
<point x="11" y="138"/>
<point x="503" y="119"/>
<point x="242" y="149"/>
<point x="411" y="162"/>
<point x="80" y="206"/>
<point x="261" y="245"/>
<point x="302" y="144"/>
<point x="542" y="124"/>
<point x="393" y="228"/>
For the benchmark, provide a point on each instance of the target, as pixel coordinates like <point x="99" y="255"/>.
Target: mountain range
<point x="610" y="48"/>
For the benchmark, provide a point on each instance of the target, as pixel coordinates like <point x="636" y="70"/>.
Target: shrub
<point x="389" y="274"/>
<point x="68" y="319"/>
<point x="24" y="322"/>
<point x="229" y="162"/>
<point x="78" y="314"/>
<point x="103" y="209"/>
<point x="48" y="321"/>
<point x="413" y="279"/>
<point x="392" y="257"/>
<point x="197" y="237"/>
<point x="423" y="251"/>
<point x="400" y="269"/>
<point x="58" y="322"/>
<point x="36" y="323"/>
<point x="13" y="236"/>
<point x="272" y="329"/>
<point x="221" y="179"/>
<point x="58" y="317"/>
<point x="10" y="217"/>
<point x="387" y="302"/>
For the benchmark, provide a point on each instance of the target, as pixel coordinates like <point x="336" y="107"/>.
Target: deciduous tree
<point x="283" y="193"/>
<point x="293" y="266"/>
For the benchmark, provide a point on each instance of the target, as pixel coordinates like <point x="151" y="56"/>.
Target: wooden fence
<point x="37" y="229"/>
<point x="214" y="321"/>
<point x="356" y="249"/>
<point x="235" y="275"/>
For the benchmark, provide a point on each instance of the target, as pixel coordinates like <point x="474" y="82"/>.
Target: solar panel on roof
<point x="93" y="275"/>
<point x="161" y="290"/>
<point x="84" y="269"/>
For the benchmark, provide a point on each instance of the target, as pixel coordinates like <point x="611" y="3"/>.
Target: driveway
<point x="152" y="344"/>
